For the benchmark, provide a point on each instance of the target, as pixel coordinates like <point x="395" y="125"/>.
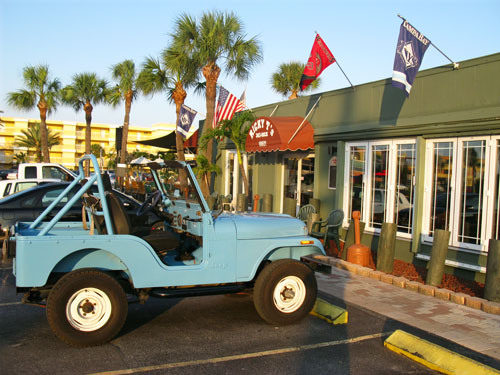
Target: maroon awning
<point x="192" y="142"/>
<point x="275" y="134"/>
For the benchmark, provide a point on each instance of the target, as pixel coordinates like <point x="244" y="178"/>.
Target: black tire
<point x="86" y="308"/>
<point x="285" y="275"/>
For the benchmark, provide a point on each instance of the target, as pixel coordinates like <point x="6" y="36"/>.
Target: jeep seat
<point x="160" y="240"/>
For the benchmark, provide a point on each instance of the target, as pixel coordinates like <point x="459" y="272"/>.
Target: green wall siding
<point x="443" y="103"/>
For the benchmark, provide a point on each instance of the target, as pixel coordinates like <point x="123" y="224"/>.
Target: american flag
<point x="226" y="106"/>
<point x="243" y="101"/>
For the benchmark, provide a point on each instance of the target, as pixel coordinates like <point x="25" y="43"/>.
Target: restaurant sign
<point x="261" y="130"/>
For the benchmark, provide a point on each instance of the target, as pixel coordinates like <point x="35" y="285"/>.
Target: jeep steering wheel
<point x="149" y="203"/>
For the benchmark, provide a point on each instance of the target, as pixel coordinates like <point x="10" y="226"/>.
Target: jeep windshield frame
<point x="171" y="189"/>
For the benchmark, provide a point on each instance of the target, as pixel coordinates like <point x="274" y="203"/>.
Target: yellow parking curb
<point x="434" y="356"/>
<point x="331" y="313"/>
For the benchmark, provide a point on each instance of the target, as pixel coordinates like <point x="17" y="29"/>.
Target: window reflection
<point x="405" y="187"/>
<point x="496" y="199"/>
<point x="356" y="176"/>
<point x="379" y="178"/>
<point x="473" y="163"/>
<point x="441" y="188"/>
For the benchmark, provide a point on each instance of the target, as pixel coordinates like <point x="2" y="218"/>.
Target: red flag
<point x="319" y="59"/>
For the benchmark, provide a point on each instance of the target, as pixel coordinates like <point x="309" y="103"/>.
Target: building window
<point x="332" y="173"/>
<point x="380" y="183"/>
<point x="495" y="232"/>
<point x="356" y="179"/>
<point x="461" y="193"/>
<point x="406" y="157"/>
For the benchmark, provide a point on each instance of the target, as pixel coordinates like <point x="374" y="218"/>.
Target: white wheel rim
<point x="88" y="309"/>
<point x="289" y="294"/>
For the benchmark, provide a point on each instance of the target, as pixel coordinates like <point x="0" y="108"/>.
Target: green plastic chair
<point x="305" y="211"/>
<point x="332" y="224"/>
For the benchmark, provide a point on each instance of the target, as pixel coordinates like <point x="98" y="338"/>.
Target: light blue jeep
<point x="84" y="270"/>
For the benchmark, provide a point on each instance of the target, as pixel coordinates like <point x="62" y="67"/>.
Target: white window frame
<point x="413" y="183"/>
<point x="494" y="149"/>
<point x="367" y="182"/>
<point x="429" y="149"/>
<point x="491" y="155"/>
<point x="347" y="180"/>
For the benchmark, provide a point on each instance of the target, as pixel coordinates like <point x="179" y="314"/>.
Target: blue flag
<point x="186" y="117"/>
<point x="409" y="54"/>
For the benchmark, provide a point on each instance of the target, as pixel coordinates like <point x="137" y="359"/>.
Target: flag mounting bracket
<point x="455" y="64"/>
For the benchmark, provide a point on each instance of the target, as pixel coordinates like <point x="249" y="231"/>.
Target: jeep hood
<point x="251" y="226"/>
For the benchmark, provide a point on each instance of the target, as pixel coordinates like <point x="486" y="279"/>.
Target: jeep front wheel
<point x="285" y="292"/>
<point x="86" y="308"/>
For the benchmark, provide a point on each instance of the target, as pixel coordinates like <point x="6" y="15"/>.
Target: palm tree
<point x="217" y="38"/>
<point x="286" y="80"/>
<point x="111" y="158"/>
<point x="173" y="73"/>
<point x="236" y="130"/>
<point x="42" y="92"/>
<point x="204" y="168"/>
<point x="126" y="91"/>
<point x="20" y="158"/>
<point x="32" y="138"/>
<point x="86" y="89"/>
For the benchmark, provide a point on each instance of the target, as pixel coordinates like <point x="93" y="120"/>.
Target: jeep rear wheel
<point x="86" y="308"/>
<point x="285" y="292"/>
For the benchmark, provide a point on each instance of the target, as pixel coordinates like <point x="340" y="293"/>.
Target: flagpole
<point x="455" y="65"/>
<point x="342" y="70"/>
<point x="274" y="110"/>
<point x="303" y="121"/>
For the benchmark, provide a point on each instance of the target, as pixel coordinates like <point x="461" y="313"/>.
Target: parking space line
<point x="10" y="304"/>
<point x="244" y="356"/>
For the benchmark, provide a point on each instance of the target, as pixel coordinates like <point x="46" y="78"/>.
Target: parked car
<point x="27" y="205"/>
<point x="8" y="187"/>
<point x="83" y="276"/>
<point x="42" y="170"/>
<point x="5" y="172"/>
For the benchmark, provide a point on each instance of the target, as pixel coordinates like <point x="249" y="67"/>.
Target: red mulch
<point x="451" y="282"/>
<point x="419" y="274"/>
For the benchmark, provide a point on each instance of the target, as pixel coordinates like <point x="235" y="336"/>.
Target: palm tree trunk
<point x="211" y="73"/>
<point x="126" y="121"/>
<point x="179" y="96"/>
<point x="88" y="134"/>
<point x="242" y="171"/>
<point x="42" y="107"/>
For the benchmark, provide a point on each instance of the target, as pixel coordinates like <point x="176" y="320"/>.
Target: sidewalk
<point x="466" y="326"/>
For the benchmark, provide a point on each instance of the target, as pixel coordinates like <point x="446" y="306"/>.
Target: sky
<point x="74" y="36"/>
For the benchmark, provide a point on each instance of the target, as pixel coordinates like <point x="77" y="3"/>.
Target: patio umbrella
<point x="158" y="160"/>
<point x="141" y="160"/>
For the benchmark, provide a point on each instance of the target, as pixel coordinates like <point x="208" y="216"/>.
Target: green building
<point x="428" y="161"/>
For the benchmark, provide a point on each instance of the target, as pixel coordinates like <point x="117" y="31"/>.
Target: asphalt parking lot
<point x="217" y="334"/>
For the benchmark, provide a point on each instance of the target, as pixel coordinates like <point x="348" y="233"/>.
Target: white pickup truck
<point x="8" y="187"/>
<point x="42" y="171"/>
